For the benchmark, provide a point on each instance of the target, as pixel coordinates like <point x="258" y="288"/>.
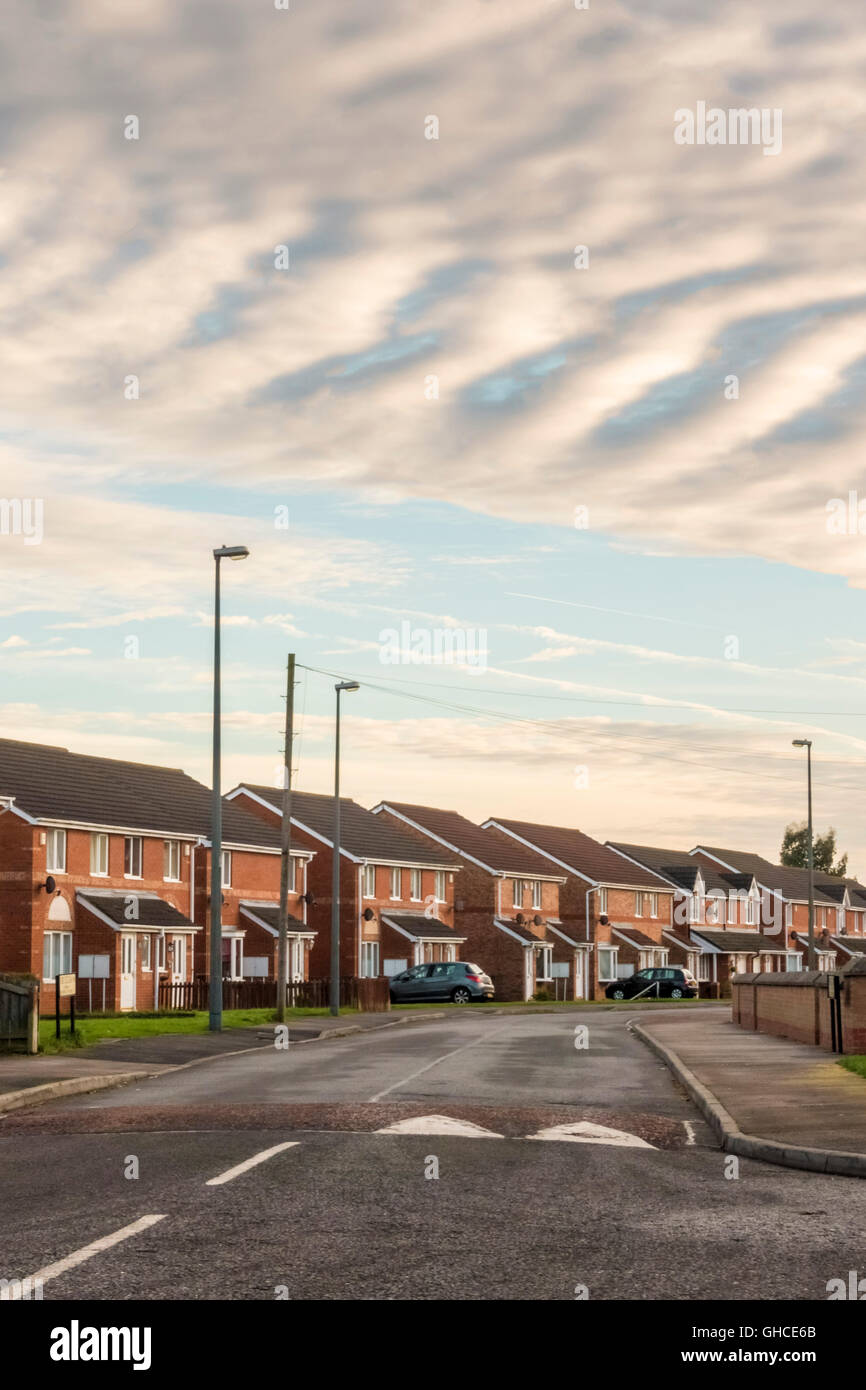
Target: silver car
<point x="457" y="980"/>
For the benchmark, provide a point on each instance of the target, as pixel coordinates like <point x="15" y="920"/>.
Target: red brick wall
<point x="800" y="1012"/>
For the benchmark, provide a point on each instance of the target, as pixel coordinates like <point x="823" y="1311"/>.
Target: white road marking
<point x="78" y="1257"/>
<point x="250" y="1163"/>
<point x="444" y="1058"/>
<point x="690" y="1131"/>
<point x="584" y="1132"/>
<point x="439" y="1124"/>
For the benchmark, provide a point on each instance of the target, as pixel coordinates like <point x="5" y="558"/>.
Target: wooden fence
<point x="19" y="1014"/>
<point x="369" y="995"/>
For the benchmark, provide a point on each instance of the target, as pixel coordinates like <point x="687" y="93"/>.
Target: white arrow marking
<point x="439" y="1124"/>
<point x="583" y="1132"/>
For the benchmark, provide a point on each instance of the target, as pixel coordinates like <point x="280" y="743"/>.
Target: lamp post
<point x="225" y="552"/>
<point x="335" y="870"/>
<point x="807" y="744"/>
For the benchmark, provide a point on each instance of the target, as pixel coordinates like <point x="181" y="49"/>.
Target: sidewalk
<point x="766" y="1097"/>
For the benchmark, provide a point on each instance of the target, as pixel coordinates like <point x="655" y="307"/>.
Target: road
<point x="326" y="1206"/>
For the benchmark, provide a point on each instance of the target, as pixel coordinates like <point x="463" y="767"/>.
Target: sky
<point x="545" y="427"/>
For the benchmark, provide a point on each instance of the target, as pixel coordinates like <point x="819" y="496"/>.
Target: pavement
<point x="766" y="1097"/>
<point x="476" y="1156"/>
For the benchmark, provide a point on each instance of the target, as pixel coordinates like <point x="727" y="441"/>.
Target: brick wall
<point x="797" y="1005"/>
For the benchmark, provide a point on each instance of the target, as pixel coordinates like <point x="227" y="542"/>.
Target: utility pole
<point x="286" y="845"/>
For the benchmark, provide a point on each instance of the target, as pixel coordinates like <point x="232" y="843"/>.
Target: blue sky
<point x="432" y="391"/>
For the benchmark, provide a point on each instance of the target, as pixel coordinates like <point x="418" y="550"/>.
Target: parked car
<point x="667" y="982"/>
<point x="457" y="980"/>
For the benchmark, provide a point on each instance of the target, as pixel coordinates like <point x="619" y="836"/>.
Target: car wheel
<point x="461" y="995"/>
<point x="676" y="992"/>
<point x="617" y="994"/>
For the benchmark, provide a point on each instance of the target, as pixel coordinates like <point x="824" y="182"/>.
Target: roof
<point x="855" y="944"/>
<point x="53" y="784"/>
<point x="512" y="928"/>
<point x="730" y="942"/>
<point x="635" y="936"/>
<point x="151" y="910"/>
<point x="471" y="841"/>
<point x="420" y="927"/>
<point x="791" y="883"/>
<point x="681" y="868"/>
<point x="582" y="854"/>
<point x="268" y="914"/>
<point x="362" y="835"/>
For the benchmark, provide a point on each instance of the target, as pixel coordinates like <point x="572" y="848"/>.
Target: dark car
<point x="665" y="982"/>
<point x="457" y="980"/>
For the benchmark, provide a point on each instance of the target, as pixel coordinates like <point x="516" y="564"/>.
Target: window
<point x="369" y="880"/>
<point x="694" y="908"/>
<point x="517" y="898"/>
<point x="704" y="970"/>
<point x="789" y="914"/>
<point x="396" y="884"/>
<point x="544" y="963"/>
<point x="840" y="919"/>
<point x="171" y="861"/>
<point x="750" y="911"/>
<point x="440" y="886"/>
<point x="415" y="885"/>
<point x="160" y="952"/>
<point x="132" y="856"/>
<point x="602" y="901"/>
<point x="794" y="960"/>
<point x="369" y="959"/>
<point x="607" y="963"/>
<point x="732" y="908"/>
<point x="226" y="868"/>
<point x="638" y="904"/>
<point x="99" y="856"/>
<point x="653" y="904"/>
<point x="293" y="874"/>
<point x="536" y="893"/>
<point x="56" y="954"/>
<point x="55" y="854"/>
<point x="146" y="951"/>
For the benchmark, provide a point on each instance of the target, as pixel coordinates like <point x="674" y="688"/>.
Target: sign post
<point x="64" y="986"/>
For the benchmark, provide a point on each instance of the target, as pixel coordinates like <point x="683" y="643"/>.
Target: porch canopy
<point x="134" y="911"/>
<point x="737" y="943"/>
<point x="422" y="929"/>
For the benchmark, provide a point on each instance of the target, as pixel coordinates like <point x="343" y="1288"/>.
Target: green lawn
<point x="855" y="1064"/>
<point x="90" y="1029"/>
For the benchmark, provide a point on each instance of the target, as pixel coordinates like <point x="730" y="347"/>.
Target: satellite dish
<point x="520" y="917"/>
<point x="604" y="919"/>
<point x="50" y="884"/>
<point x="369" y="914"/>
<point x="537" y="920"/>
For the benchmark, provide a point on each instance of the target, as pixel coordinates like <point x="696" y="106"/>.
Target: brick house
<point x="717" y="916"/>
<point x="105" y="873"/>
<point x="396" y="893"/>
<point x="839" y="906"/>
<point x="507" y="902"/>
<point x="616" y="915"/>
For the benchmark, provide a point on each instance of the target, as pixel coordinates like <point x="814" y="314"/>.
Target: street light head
<point x="801" y="742"/>
<point x="231" y="552"/>
<point x="347" y="685"/>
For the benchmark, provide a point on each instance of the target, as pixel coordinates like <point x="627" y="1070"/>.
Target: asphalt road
<point x="340" y="1210"/>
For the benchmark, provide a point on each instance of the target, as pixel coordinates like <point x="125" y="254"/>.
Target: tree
<point x="795" y="850"/>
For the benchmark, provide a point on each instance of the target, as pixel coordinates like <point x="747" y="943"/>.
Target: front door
<point x="580" y="974"/>
<point x="528" y="972"/>
<point x="178" y="959"/>
<point x="127" y="971"/>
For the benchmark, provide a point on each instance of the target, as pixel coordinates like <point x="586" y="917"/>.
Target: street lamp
<point x="807" y="744"/>
<point x="225" y="552"/>
<point x="335" y="869"/>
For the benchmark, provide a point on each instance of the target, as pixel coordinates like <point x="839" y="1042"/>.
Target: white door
<point x="178" y="959"/>
<point x="580" y="974"/>
<point x="527" y="972"/>
<point x="127" y="971"/>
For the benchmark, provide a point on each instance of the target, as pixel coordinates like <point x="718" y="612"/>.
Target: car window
<point x="643" y="975"/>
<point x="471" y="969"/>
<point x="669" y="974"/>
<point x="417" y="972"/>
<point x="440" y="971"/>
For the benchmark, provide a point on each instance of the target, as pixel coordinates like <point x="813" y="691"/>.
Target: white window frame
<point x="439" y="886"/>
<point x="796" y="957"/>
<point x="369" y="956"/>
<point x="160" y="953"/>
<point x="98" y="843"/>
<point x="654" y="904"/>
<point x="613" y="953"/>
<point x="129" y="843"/>
<point x="705" y="963"/>
<point x="369" y="881"/>
<point x="57" y="953"/>
<point x="55" y="852"/>
<point x="602" y="902"/>
<point x="171" y="850"/>
<point x="415" y="885"/>
<point x="517" y="893"/>
<point x="535" y="885"/>
<point x="732" y="908"/>
<point x="638" y="904"/>
<point x="450" y="953"/>
<point x="397" y="881"/>
<point x="544" y="962"/>
<point x="226" y="868"/>
<point x="146" y="952"/>
<point x="694" y="908"/>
